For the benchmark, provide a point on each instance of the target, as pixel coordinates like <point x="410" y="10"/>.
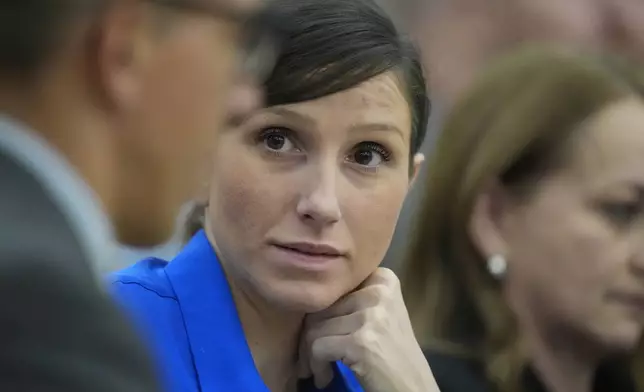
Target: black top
<point x="455" y="374"/>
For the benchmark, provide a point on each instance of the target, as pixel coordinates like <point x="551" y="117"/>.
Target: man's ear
<point x="419" y="158"/>
<point x="491" y="207"/>
<point x="122" y="48"/>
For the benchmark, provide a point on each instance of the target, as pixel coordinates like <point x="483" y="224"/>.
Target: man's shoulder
<point x="34" y="233"/>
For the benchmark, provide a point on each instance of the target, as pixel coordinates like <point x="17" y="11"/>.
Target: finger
<point x="322" y="373"/>
<point x="343" y="325"/>
<point x="329" y="349"/>
<point x="324" y="352"/>
<point x="381" y="276"/>
<point x="303" y="361"/>
<point x="350" y="303"/>
<point x="364" y="298"/>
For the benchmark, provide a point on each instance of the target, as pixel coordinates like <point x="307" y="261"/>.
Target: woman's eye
<point x="622" y="213"/>
<point x="370" y="155"/>
<point x="367" y="158"/>
<point x="277" y="140"/>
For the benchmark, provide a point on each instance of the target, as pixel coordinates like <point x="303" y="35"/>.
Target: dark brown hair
<point x="32" y="30"/>
<point x="334" y="45"/>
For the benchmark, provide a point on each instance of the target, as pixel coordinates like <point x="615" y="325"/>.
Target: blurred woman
<point x="527" y="268"/>
<point x="282" y="289"/>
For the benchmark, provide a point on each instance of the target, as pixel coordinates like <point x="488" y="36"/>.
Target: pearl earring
<point x="497" y="265"/>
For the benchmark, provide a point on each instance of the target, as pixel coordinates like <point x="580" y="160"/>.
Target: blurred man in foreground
<point x="106" y="109"/>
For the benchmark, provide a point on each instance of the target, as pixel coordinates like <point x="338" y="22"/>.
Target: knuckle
<point x="365" y="339"/>
<point x="317" y="349"/>
<point x="363" y="317"/>
<point x="382" y="292"/>
<point x="388" y="275"/>
<point x="370" y="297"/>
<point x="378" y="315"/>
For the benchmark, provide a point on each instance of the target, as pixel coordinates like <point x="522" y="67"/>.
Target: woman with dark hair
<point x="281" y="291"/>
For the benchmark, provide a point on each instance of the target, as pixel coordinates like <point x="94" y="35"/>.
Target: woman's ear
<point x="491" y="207"/>
<point x="419" y="158"/>
<point x="202" y="194"/>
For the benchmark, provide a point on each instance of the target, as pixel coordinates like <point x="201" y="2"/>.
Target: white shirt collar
<point x="72" y="195"/>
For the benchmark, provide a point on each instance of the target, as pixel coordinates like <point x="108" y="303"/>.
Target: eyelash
<point x="377" y="148"/>
<point x="287" y="133"/>
<point x="274" y="130"/>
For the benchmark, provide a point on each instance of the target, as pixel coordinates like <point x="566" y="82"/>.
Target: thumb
<point x="322" y="373"/>
<point x="303" y="361"/>
<point x="325" y="351"/>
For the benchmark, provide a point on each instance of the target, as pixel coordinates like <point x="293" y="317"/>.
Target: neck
<point x="562" y="360"/>
<point x="272" y="334"/>
<point x="68" y="126"/>
<point x="273" y="338"/>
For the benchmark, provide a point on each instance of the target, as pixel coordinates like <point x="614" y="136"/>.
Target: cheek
<point x="182" y="108"/>
<point x="563" y="260"/>
<point x="246" y="199"/>
<point x="371" y="219"/>
<point x="199" y="79"/>
<point x="237" y="198"/>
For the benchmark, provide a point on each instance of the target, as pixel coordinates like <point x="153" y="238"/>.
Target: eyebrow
<point x="294" y="115"/>
<point x="379" y="127"/>
<point x="309" y="121"/>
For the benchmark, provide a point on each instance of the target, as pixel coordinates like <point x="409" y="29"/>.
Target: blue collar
<point x="222" y="358"/>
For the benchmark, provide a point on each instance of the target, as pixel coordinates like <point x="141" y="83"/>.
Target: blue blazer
<point x="186" y="312"/>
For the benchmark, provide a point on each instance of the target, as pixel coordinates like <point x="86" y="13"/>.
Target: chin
<point x="302" y="297"/>
<point x="623" y="338"/>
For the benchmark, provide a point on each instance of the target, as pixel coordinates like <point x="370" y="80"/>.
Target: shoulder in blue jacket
<point x="185" y="311"/>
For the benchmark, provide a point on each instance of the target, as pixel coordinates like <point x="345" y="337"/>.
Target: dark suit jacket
<point x="455" y="374"/>
<point x="58" y="329"/>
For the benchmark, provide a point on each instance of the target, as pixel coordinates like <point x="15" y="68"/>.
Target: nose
<point x="319" y="205"/>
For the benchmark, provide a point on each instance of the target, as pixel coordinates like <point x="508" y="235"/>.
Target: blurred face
<point x="304" y="198"/>
<point x="575" y="249"/>
<point x="173" y="97"/>
<point x="461" y="36"/>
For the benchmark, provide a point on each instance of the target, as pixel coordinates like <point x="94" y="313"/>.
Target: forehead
<point x="611" y="145"/>
<point x="379" y="99"/>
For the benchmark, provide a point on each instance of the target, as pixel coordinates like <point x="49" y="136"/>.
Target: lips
<point x="311" y="249"/>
